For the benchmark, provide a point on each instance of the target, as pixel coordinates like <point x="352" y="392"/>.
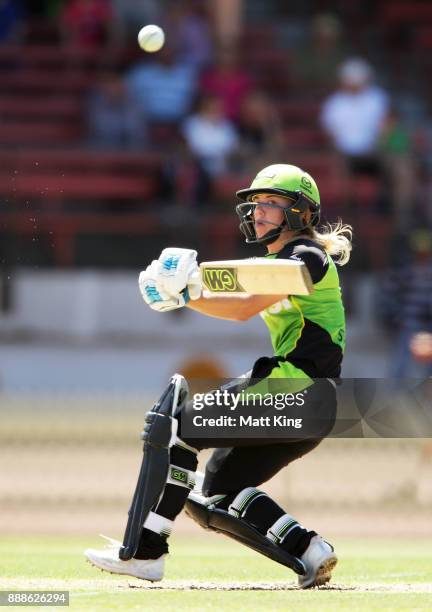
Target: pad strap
<point x="181" y="477"/>
<point x="159" y="524"/>
<point x="243" y="500"/>
<point x="281" y="528"/>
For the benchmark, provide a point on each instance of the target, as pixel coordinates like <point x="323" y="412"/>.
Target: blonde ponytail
<point x="335" y="240"/>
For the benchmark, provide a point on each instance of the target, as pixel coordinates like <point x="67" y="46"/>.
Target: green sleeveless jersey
<point x="309" y="330"/>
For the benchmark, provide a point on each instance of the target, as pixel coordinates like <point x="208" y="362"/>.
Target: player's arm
<point x="174" y="281"/>
<point x="241" y="309"/>
<point x="234" y="308"/>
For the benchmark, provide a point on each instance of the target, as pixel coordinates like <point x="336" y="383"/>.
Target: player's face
<point x="268" y="212"/>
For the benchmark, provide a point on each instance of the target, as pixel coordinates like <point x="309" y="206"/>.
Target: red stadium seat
<point x="375" y="233"/>
<point x="54" y="108"/>
<point x="38" y="133"/>
<point x="64" y="228"/>
<point x="423" y="37"/>
<point x="403" y="12"/>
<point x="78" y="175"/>
<point x="22" y="81"/>
<point x="304" y="137"/>
<point x="299" y="112"/>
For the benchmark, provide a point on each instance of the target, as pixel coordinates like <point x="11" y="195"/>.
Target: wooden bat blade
<point x="257" y="276"/>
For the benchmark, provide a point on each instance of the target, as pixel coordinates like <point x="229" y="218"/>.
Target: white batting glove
<point x="154" y="294"/>
<point x="180" y="272"/>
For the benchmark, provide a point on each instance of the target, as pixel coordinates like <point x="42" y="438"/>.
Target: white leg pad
<point x="281" y="528"/>
<point x="242" y="501"/>
<point x="159" y="524"/>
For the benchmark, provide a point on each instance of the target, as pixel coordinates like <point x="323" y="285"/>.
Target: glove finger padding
<point x="177" y="266"/>
<point x="152" y="292"/>
<point x="194" y="285"/>
<point x="150" y="288"/>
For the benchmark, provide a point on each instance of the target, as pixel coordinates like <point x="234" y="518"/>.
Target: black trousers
<point x="232" y="469"/>
<point x="244" y="462"/>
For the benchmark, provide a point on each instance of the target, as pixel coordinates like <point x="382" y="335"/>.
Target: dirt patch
<point x="279" y="586"/>
<point x="114" y="585"/>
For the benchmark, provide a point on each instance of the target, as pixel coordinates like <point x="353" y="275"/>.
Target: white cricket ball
<point x="151" y="38"/>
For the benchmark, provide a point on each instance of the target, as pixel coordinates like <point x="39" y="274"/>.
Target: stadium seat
<point x="61" y="175"/>
<point x="406" y="12"/>
<point x="55" y="108"/>
<point x="32" y="81"/>
<point x="39" y="133"/>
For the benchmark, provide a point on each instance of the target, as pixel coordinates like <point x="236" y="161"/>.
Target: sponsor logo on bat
<point x="221" y="279"/>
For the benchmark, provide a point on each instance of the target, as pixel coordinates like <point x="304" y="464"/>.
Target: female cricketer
<point x="280" y="210"/>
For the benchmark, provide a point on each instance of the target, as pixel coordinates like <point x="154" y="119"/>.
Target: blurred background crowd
<point x="109" y="154"/>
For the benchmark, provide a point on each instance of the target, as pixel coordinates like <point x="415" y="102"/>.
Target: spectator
<point x="86" y="24"/>
<point x="317" y="62"/>
<point x="188" y="26"/>
<point x="210" y="138"/>
<point x="260" y="132"/>
<point x="164" y="87"/>
<point x="405" y="304"/>
<point x="113" y="118"/>
<point x="354" y="117"/>
<point x="229" y="81"/>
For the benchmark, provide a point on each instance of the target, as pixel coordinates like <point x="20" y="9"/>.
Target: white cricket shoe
<point x="319" y="560"/>
<point x="108" y="559"/>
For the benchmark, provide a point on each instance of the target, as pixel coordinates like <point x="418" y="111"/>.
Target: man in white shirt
<point x="354" y="115"/>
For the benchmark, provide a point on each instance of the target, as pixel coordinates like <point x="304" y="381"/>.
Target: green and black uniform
<point x="308" y="331"/>
<point x="308" y="337"/>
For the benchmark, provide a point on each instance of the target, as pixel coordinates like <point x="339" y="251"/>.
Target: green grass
<point x="371" y="575"/>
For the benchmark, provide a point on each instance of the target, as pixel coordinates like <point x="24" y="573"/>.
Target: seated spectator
<point x="260" y="133"/>
<point x="316" y="63"/>
<point x="114" y="120"/>
<point x="188" y="25"/>
<point x="85" y="24"/>
<point x="354" y="116"/>
<point x="229" y="81"/>
<point x="164" y="87"/>
<point x="210" y="138"/>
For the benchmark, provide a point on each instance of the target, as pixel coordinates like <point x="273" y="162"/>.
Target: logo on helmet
<point x="306" y="183"/>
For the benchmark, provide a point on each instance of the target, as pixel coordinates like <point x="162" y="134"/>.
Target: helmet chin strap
<point x="272" y="235"/>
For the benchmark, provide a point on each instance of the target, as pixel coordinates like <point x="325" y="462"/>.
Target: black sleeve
<point x="313" y="256"/>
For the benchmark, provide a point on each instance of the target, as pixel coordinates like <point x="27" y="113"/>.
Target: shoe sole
<point x="323" y="574"/>
<point x="103" y="569"/>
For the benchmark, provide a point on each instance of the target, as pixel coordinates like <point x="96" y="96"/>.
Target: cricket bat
<point x="256" y="276"/>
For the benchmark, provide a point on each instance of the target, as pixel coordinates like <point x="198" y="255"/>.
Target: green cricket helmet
<point x="283" y="180"/>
